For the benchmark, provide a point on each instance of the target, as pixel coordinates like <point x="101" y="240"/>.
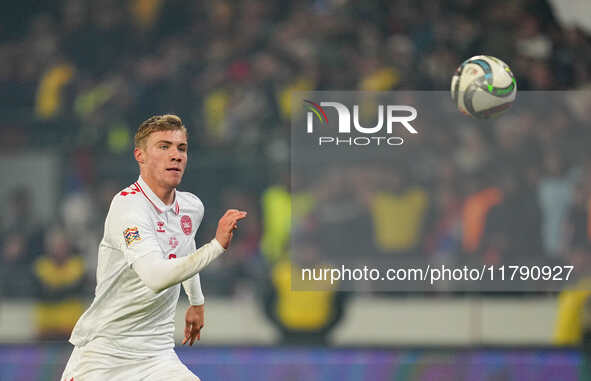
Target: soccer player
<point x="147" y="251"/>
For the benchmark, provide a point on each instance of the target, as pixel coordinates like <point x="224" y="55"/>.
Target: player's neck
<point x="163" y="192"/>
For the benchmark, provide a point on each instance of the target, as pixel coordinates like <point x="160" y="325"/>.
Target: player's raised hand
<point x="226" y="226"/>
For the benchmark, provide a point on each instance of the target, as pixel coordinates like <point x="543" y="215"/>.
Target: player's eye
<point x="163" y="146"/>
<point x="182" y="149"/>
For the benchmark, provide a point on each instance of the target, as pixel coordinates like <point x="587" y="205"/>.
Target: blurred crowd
<point x="78" y="76"/>
<point x="86" y="73"/>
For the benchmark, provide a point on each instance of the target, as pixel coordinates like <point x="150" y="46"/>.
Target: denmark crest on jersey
<point x="130" y="235"/>
<point x="186" y="224"/>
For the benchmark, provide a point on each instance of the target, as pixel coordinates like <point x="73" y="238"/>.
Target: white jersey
<point x="132" y="319"/>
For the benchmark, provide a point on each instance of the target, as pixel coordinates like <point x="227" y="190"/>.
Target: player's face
<point x="165" y="157"/>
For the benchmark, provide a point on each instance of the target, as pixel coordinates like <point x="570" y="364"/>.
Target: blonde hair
<point x="167" y="122"/>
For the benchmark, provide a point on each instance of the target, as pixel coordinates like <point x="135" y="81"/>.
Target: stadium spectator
<point x="15" y="270"/>
<point x="276" y="223"/>
<point x="443" y="240"/>
<point x="20" y="217"/>
<point x="339" y="208"/>
<point x="50" y="95"/>
<point x="573" y="318"/>
<point x="398" y="211"/>
<point x="302" y="317"/>
<point x="59" y="274"/>
<point x="578" y="221"/>
<point x="78" y="213"/>
<point x="513" y="226"/>
<point x="20" y="212"/>
<point x="555" y="195"/>
<point x="475" y="209"/>
<point x="277" y="206"/>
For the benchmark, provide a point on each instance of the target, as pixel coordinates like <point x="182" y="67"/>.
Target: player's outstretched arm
<point x="159" y="273"/>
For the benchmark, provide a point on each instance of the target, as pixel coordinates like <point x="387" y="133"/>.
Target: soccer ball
<point x="483" y="86"/>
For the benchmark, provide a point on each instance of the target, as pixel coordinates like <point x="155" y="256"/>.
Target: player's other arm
<point x="195" y="315"/>
<point x="193" y="290"/>
<point x="192" y="285"/>
<point x="159" y="273"/>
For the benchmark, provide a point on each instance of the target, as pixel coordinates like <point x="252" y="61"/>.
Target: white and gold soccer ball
<point x="483" y="86"/>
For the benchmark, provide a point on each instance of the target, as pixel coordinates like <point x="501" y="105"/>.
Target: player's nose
<point x="176" y="156"/>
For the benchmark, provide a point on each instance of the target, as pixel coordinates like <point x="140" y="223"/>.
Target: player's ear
<point x="138" y="153"/>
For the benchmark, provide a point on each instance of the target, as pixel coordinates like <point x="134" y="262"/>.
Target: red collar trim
<point x="177" y="208"/>
<point x="144" y="193"/>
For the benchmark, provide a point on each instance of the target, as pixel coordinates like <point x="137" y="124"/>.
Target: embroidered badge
<point x="130" y="235"/>
<point x="186" y="224"/>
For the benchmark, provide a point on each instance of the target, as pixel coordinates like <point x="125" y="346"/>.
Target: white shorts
<point x="88" y="364"/>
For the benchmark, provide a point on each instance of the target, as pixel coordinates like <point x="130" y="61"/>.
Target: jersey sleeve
<point x="192" y="286"/>
<point x="158" y="273"/>
<point x="131" y="227"/>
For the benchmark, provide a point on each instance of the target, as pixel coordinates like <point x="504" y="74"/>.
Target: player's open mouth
<point x="173" y="169"/>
